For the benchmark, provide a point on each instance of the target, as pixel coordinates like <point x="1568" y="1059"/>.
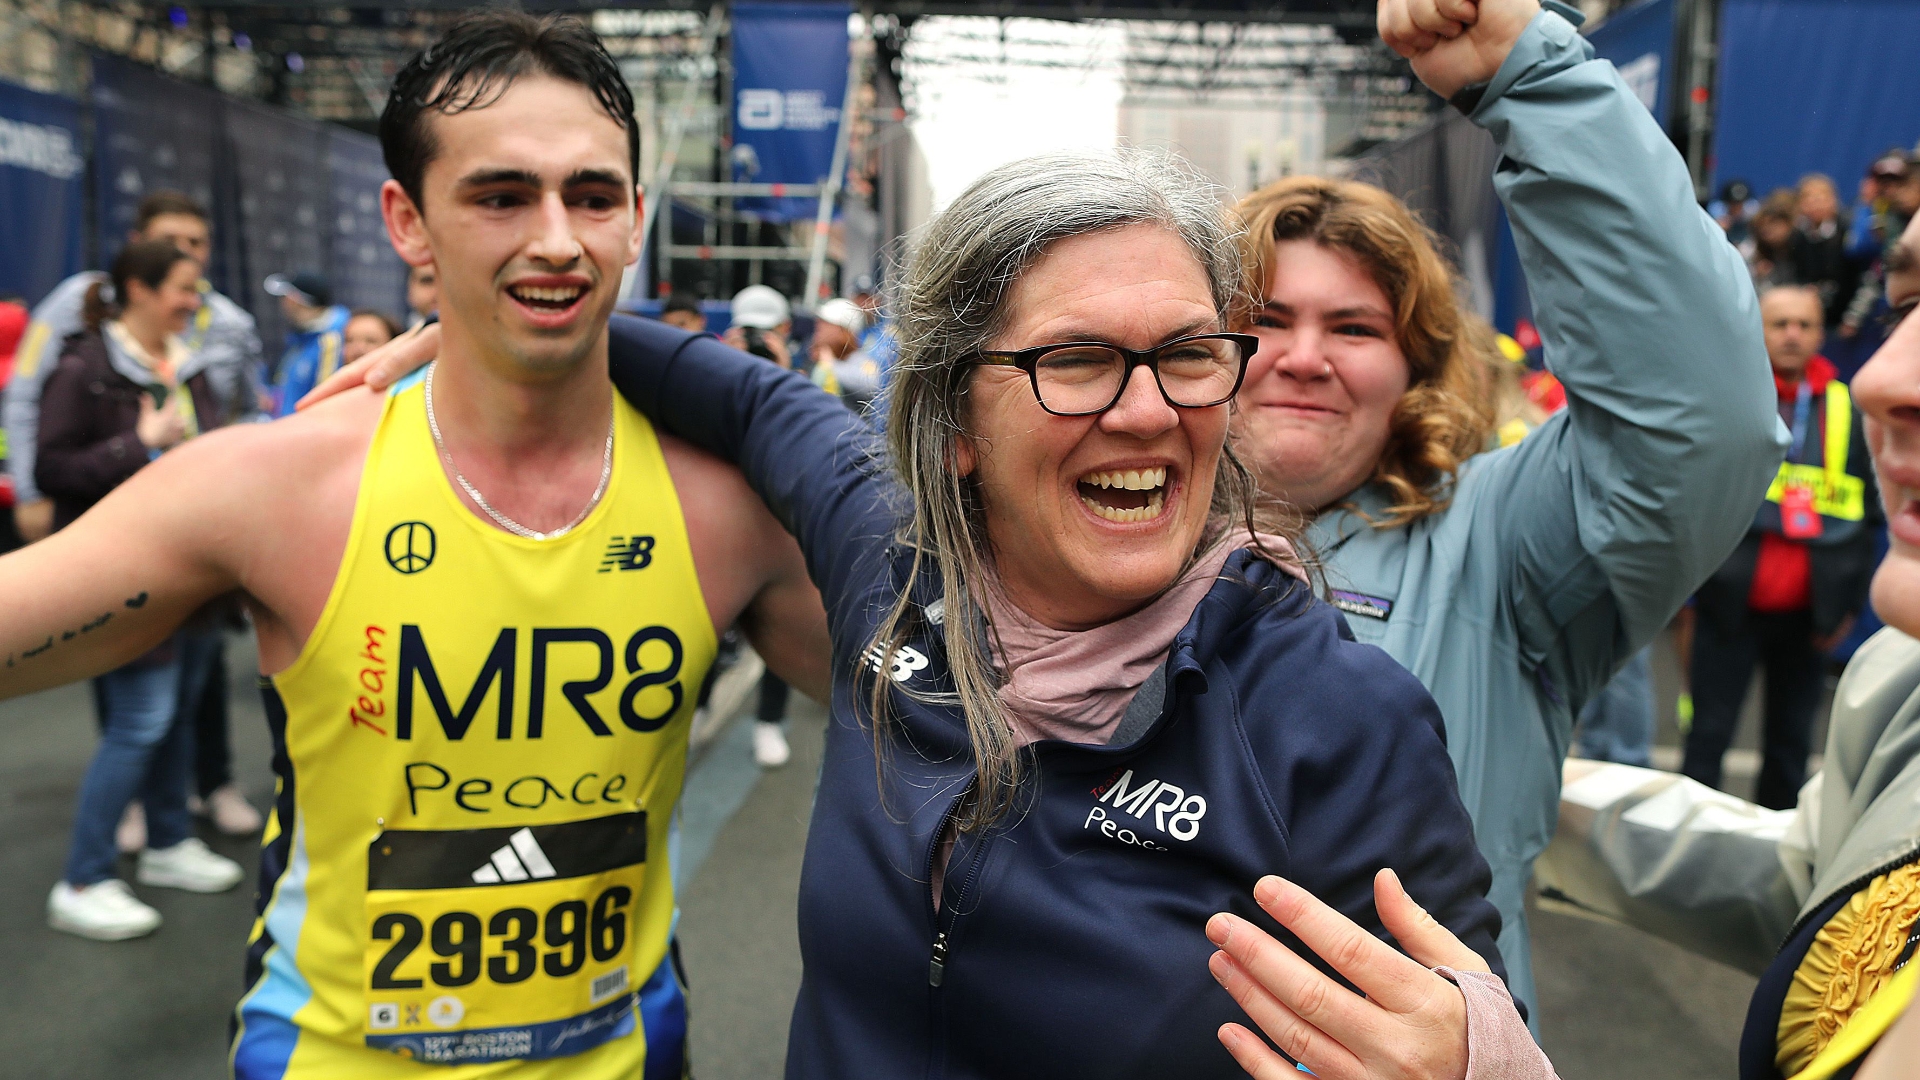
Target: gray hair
<point x="949" y="306"/>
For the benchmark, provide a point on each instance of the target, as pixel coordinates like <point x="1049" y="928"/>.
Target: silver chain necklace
<point x="500" y="519"/>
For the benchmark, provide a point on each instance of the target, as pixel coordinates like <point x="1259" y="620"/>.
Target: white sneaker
<point x="104" y="911"/>
<point x="232" y="814"/>
<point x="131" y="835"/>
<point x="189" y="865"/>
<point x="770" y="750"/>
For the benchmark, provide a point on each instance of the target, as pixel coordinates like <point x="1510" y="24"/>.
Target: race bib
<point x="497" y="944"/>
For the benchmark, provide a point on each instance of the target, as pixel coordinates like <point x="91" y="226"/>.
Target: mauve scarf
<point x="1075" y="685"/>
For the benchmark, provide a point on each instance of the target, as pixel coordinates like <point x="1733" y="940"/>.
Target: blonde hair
<point x="1445" y="416"/>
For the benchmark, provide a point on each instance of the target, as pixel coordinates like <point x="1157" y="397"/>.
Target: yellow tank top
<point x="467" y="871"/>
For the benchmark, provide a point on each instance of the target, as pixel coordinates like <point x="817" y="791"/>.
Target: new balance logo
<point x="627" y="553"/>
<point x="519" y="860"/>
<point x="901" y="667"/>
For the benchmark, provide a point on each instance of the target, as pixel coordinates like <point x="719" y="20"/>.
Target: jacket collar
<point x="126" y="364"/>
<point x="1245" y="586"/>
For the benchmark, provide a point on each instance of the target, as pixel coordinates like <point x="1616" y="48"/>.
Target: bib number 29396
<point x="495" y="944"/>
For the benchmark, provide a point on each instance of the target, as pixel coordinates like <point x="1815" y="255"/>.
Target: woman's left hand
<point x="1411" y="1023"/>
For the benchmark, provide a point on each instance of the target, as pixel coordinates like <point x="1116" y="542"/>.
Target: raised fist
<point x="1454" y="44"/>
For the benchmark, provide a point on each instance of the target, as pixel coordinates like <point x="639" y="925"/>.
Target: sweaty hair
<point x="162" y="203"/>
<point x="1445" y="416"/>
<point x="146" y="261"/>
<point x="475" y="63"/>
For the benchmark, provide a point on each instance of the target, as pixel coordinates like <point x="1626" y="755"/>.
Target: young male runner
<point x="487" y="598"/>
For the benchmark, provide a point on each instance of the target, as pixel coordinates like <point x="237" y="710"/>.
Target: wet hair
<point x="386" y="320"/>
<point x="1445" y="416"/>
<point x="146" y="261"/>
<point x="950" y="304"/>
<point x="162" y="203"/>
<point x="475" y="63"/>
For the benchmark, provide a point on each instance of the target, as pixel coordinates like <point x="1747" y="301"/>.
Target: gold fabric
<point x="1850" y="959"/>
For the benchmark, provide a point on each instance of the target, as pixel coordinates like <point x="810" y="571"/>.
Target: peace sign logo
<point x="411" y="546"/>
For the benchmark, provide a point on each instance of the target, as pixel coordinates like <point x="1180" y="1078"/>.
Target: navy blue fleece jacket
<point x="1070" y="936"/>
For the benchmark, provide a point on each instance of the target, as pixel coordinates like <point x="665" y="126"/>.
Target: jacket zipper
<point x="937" y="967"/>
<point x="1849" y="888"/>
<point x="946" y="914"/>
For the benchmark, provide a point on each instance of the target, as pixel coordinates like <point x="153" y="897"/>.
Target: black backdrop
<point x="286" y="193"/>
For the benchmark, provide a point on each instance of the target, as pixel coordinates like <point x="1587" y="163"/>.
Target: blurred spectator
<point x="877" y="339"/>
<point x="1515" y="412"/>
<point x="683" y="310"/>
<point x="366" y="331"/>
<point x="13" y="326"/>
<point x="1790" y="591"/>
<point x="762" y="319"/>
<point x="423" y="293"/>
<point x="837" y="327"/>
<point x="314" y="336"/>
<point x="1734" y="210"/>
<point x="1820" y="246"/>
<point x="222" y="339"/>
<point x="1769" y="247"/>
<point x="117" y="401"/>
<point x="1889" y="197"/>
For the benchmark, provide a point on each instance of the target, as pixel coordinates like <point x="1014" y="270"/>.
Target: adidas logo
<point x="519" y="860"/>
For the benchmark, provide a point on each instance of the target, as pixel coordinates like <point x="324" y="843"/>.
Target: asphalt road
<point x="1614" y="1003"/>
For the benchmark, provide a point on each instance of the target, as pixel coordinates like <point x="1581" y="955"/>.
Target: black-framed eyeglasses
<point x="1082" y="378"/>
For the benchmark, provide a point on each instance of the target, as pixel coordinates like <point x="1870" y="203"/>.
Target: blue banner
<point x="1639" y="41"/>
<point x="789" y="81"/>
<point x="1813" y="86"/>
<point x="42" y="169"/>
<point x="153" y="133"/>
<point x="366" y="271"/>
<point x="284" y="201"/>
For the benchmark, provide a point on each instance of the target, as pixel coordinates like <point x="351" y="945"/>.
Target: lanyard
<point x="1802" y="410"/>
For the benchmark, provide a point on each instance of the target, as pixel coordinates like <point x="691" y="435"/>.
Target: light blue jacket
<point x="313" y="353"/>
<point x="1562" y="555"/>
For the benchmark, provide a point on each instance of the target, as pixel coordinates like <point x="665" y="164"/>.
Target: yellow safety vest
<point x="1836" y="494"/>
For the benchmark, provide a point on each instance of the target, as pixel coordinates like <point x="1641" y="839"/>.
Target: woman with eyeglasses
<point x="1083" y="697"/>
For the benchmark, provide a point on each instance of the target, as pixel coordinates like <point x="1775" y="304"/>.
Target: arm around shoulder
<point x="818" y="467"/>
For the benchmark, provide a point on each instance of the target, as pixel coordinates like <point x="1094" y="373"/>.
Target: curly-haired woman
<point x="1512" y="582"/>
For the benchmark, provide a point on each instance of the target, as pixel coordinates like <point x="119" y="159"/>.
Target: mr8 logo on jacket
<point x="1167" y="807"/>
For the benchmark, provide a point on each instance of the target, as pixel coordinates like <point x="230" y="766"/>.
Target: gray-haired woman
<point x="1080" y="704"/>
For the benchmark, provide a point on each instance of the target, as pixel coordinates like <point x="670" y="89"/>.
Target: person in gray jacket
<point x="1821" y="901"/>
<point x="221" y="340"/>
<point x="1514" y="582"/>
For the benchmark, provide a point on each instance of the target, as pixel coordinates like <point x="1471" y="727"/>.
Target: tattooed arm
<point x="262" y="508"/>
<point x="105" y="589"/>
